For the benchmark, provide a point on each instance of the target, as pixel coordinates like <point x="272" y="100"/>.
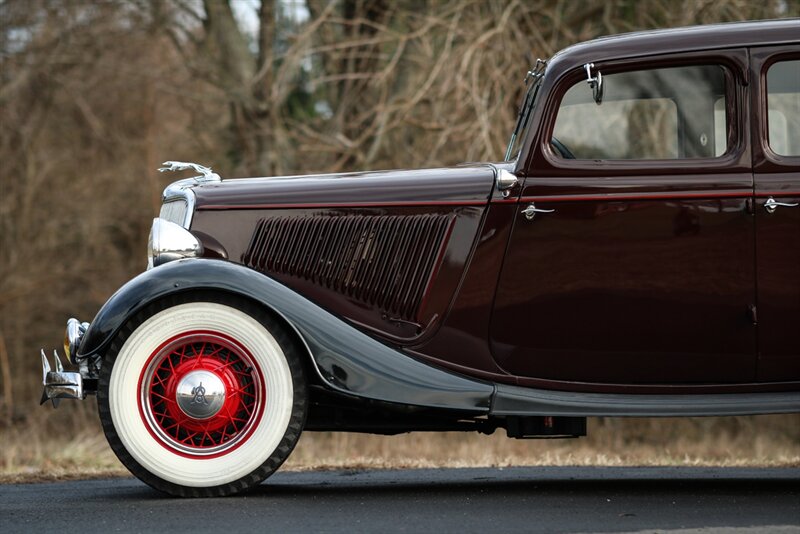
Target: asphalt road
<point x="543" y="499"/>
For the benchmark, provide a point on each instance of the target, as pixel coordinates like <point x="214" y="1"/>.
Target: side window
<point x="783" y="107"/>
<point x="669" y="113"/>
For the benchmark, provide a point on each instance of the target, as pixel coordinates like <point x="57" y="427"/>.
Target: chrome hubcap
<point x="200" y="394"/>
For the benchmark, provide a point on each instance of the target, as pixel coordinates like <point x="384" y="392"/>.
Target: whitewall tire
<point x="202" y="396"/>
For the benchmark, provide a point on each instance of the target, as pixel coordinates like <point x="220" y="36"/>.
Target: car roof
<point x="708" y="37"/>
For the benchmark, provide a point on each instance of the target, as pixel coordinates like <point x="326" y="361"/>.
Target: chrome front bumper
<point x="60" y="384"/>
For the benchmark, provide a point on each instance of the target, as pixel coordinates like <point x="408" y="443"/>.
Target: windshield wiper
<point x="532" y="80"/>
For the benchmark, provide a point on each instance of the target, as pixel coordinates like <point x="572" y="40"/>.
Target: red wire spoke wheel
<point x="201" y="394"/>
<point x="202" y="397"/>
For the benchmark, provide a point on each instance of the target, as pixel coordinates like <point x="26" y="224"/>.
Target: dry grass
<point x="730" y="441"/>
<point x="49" y="444"/>
<point x="68" y="443"/>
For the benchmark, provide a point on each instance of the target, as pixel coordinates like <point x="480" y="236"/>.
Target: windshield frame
<point x="533" y="79"/>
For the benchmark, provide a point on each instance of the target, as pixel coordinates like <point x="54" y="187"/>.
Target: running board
<point x="518" y="401"/>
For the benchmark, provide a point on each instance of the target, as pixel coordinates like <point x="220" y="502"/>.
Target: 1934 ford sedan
<point x="636" y="254"/>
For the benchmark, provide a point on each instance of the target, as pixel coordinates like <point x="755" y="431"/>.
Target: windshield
<point x="533" y="79"/>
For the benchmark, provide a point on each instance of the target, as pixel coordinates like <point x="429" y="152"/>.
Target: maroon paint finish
<point x="778" y="270"/>
<point x="778" y="238"/>
<point x="233" y="208"/>
<point x="644" y="274"/>
<point x="460" y="342"/>
<point x="629" y="292"/>
<point x="645" y="279"/>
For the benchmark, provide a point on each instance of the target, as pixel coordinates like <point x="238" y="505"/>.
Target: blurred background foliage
<point x="94" y="95"/>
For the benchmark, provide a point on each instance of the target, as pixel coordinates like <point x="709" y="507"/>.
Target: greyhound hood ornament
<point x="206" y="175"/>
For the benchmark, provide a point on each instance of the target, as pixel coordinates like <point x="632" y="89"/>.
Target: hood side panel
<point x="385" y="250"/>
<point x="391" y="270"/>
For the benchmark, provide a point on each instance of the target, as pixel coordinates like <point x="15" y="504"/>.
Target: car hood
<point x="462" y="184"/>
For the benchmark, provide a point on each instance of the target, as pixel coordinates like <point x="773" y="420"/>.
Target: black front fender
<point x="346" y="359"/>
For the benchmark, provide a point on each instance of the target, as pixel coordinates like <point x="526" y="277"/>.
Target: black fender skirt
<point x="346" y="359"/>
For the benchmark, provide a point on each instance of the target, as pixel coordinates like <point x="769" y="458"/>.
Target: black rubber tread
<point x="299" y="407"/>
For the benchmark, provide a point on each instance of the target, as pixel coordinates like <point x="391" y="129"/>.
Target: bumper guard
<point x="60" y="384"/>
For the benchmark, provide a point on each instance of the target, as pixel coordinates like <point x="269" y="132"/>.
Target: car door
<point x="631" y="259"/>
<point x="776" y="167"/>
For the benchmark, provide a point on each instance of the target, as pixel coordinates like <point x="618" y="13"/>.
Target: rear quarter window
<point x="783" y="107"/>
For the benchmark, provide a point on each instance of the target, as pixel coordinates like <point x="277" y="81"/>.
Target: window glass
<point x="783" y="107"/>
<point x="720" y="127"/>
<point x="670" y="113"/>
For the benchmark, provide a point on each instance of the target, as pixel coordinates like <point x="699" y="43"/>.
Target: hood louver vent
<point x="384" y="261"/>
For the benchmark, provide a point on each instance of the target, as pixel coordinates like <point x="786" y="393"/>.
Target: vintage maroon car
<point x="636" y="254"/>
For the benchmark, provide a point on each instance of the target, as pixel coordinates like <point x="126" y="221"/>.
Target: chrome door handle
<point x="531" y="211"/>
<point x="771" y="205"/>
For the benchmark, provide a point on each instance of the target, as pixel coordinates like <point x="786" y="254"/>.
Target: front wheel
<point x="202" y="397"/>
